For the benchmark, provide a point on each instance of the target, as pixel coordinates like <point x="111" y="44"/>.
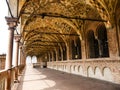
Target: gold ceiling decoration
<point x="46" y="23"/>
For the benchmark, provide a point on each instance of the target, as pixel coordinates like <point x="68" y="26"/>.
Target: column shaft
<point x="17" y="39"/>
<point x="12" y="22"/>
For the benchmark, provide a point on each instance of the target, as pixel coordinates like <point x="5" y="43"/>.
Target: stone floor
<point x="47" y="79"/>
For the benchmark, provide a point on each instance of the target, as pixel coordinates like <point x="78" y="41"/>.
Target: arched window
<point x="50" y="57"/>
<point x="59" y="54"/>
<point x="54" y="55"/>
<point x="34" y="59"/>
<point x="76" y="48"/>
<point x="102" y="41"/>
<point x="64" y="53"/>
<point x="93" y="50"/>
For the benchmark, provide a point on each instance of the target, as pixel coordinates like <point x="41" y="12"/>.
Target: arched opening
<point x="50" y="57"/>
<point x="92" y="45"/>
<point x="64" y="53"/>
<point x="59" y="54"/>
<point x="76" y="48"/>
<point x="28" y="59"/>
<point x="102" y="41"/>
<point x="54" y="56"/>
<point x="34" y="59"/>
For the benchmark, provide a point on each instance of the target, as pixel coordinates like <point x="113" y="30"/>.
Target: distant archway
<point x="28" y="59"/>
<point x="34" y="59"/>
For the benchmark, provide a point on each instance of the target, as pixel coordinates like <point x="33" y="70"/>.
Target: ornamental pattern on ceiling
<point x="35" y="23"/>
<point x="106" y="8"/>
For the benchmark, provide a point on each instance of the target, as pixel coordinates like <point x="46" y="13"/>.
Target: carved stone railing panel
<point x="4" y="77"/>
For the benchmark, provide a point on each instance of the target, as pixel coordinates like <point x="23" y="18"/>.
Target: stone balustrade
<point x="104" y="68"/>
<point x="4" y="76"/>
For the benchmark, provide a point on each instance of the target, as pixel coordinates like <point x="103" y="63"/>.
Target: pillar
<point x="52" y="56"/>
<point x="21" y="62"/>
<point x="83" y="49"/>
<point x="17" y="39"/>
<point x="49" y="56"/>
<point x="112" y="41"/>
<point x="61" y="54"/>
<point x="11" y="22"/>
<point x="20" y="55"/>
<point x="69" y="52"/>
<point x="56" y="51"/>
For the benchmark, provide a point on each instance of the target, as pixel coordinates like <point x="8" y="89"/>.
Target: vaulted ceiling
<point x="47" y="24"/>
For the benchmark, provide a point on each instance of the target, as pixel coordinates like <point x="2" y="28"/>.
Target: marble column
<point x="12" y="23"/>
<point x="17" y="39"/>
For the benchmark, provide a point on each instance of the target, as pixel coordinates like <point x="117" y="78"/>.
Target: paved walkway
<point x="47" y="79"/>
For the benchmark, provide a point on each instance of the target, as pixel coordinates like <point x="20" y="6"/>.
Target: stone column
<point x="12" y="22"/>
<point x="20" y="49"/>
<point x="49" y="56"/>
<point x="69" y="52"/>
<point x="112" y="41"/>
<point x="23" y="58"/>
<point x="52" y="56"/>
<point x="20" y="55"/>
<point x="56" y="51"/>
<point x="83" y="49"/>
<point x="17" y="39"/>
<point x="62" y="54"/>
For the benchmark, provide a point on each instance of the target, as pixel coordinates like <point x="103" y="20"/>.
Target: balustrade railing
<point x="4" y="77"/>
<point x="103" y="68"/>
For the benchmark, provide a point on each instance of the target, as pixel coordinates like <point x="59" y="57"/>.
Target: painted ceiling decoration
<point x="47" y="24"/>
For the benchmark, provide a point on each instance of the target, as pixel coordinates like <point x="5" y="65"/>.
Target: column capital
<point x="11" y="22"/>
<point x="17" y="37"/>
